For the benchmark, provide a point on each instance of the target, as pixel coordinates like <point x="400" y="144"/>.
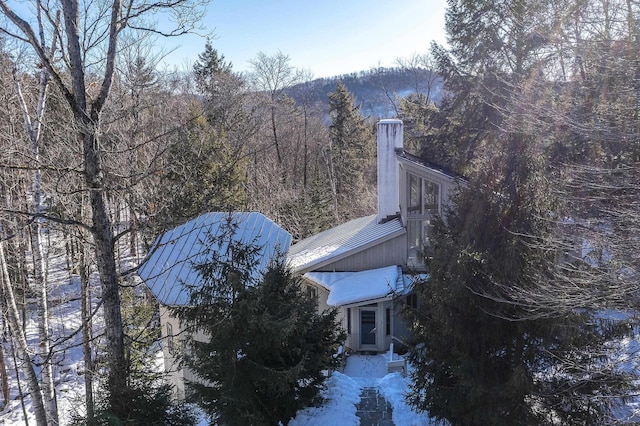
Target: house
<point x="173" y="256"/>
<point x="365" y="267"/>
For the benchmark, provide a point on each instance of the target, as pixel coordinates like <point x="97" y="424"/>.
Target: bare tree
<point x="21" y="342"/>
<point x="33" y="129"/>
<point x="273" y="75"/>
<point x="90" y="40"/>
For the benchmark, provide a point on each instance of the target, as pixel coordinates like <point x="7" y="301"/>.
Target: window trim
<point x="170" y="342"/>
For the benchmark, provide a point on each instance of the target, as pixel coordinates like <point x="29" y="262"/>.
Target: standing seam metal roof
<point x="340" y="241"/>
<point x="170" y="262"/>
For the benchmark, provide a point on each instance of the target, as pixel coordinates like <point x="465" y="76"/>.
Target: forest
<point x="536" y="103"/>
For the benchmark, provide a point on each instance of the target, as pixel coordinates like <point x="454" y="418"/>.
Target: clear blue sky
<point x="325" y="37"/>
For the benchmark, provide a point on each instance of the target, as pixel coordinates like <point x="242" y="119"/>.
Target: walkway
<point x="373" y="409"/>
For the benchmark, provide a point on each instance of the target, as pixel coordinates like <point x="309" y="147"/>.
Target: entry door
<point x="367" y="327"/>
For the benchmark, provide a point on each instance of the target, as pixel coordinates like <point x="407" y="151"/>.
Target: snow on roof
<point x="172" y="257"/>
<point x="341" y="241"/>
<point x="346" y="288"/>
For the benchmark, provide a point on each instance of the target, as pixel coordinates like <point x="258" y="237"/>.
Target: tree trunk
<point x="3" y="377"/>
<point x="48" y="387"/>
<point x="21" y="343"/>
<point x="87" y="333"/>
<point x="33" y="130"/>
<point x="105" y="259"/>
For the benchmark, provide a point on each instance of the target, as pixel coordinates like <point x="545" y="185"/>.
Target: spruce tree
<point x="485" y="350"/>
<point x="267" y="347"/>
<point x="221" y="91"/>
<point x="203" y="172"/>
<point x="350" y="152"/>
<point x="208" y="65"/>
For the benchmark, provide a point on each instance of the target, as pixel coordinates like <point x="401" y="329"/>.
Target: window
<point x="388" y="321"/>
<point x="412" y="301"/>
<point x="423" y="196"/>
<point x="423" y="202"/>
<point x="431" y="197"/>
<point x="170" y="337"/>
<point x="348" y="320"/>
<point x="414" y="194"/>
<point x="312" y="292"/>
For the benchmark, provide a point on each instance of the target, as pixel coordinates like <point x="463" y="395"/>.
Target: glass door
<point x="367" y="327"/>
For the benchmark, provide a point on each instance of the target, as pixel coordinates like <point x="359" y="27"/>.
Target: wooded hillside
<point x="533" y="274"/>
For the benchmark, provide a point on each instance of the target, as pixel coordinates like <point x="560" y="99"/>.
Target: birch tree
<point x="33" y="129"/>
<point x="90" y="38"/>
<point x="21" y="342"/>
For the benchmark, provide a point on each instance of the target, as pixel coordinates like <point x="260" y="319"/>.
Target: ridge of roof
<point x="341" y="241"/>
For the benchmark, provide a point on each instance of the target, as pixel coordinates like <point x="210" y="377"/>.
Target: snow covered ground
<point x="343" y="393"/>
<point x="65" y="322"/>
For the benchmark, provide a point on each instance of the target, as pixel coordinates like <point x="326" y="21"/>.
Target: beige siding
<point x="174" y="372"/>
<point x="323" y="295"/>
<point x="388" y="253"/>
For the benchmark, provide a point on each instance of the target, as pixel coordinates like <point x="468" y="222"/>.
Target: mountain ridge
<point x="375" y="91"/>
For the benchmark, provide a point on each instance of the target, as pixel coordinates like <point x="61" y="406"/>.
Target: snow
<point x="64" y="319"/>
<point x="352" y="287"/>
<point x="341" y="396"/>
<point x="171" y="260"/>
<point x="344" y="389"/>
<point x="315" y="255"/>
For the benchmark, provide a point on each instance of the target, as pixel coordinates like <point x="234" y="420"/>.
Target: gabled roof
<point x="342" y="241"/>
<point x="347" y="288"/>
<point x="357" y="288"/>
<point x="172" y="257"/>
<point x="402" y="155"/>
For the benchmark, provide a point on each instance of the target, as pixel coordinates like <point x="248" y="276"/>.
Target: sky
<point x="325" y="37"/>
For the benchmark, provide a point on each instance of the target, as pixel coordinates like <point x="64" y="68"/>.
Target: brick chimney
<point x="389" y="140"/>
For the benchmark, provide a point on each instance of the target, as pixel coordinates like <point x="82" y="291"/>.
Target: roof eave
<point x="343" y="255"/>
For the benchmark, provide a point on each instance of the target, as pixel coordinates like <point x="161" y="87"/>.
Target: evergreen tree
<point x="148" y="399"/>
<point x="208" y="65"/>
<point x="203" y="173"/>
<point x="221" y="90"/>
<point x="350" y="152"/>
<point x="486" y="350"/>
<point x="480" y="356"/>
<point x="267" y="346"/>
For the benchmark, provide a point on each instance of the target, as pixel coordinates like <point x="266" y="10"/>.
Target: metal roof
<point x="341" y="241"/>
<point x="170" y="262"/>
<point x="401" y="154"/>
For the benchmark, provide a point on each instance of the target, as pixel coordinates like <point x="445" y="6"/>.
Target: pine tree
<point x="486" y="351"/>
<point x="350" y="152"/>
<point x="267" y="346"/>
<point x="209" y="64"/>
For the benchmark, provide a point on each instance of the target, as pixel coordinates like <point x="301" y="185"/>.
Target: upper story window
<point x="423" y="203"/>
<point x="423" y="198"/>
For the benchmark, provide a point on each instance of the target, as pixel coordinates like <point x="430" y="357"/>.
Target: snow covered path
<point x="344" y="392"/>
